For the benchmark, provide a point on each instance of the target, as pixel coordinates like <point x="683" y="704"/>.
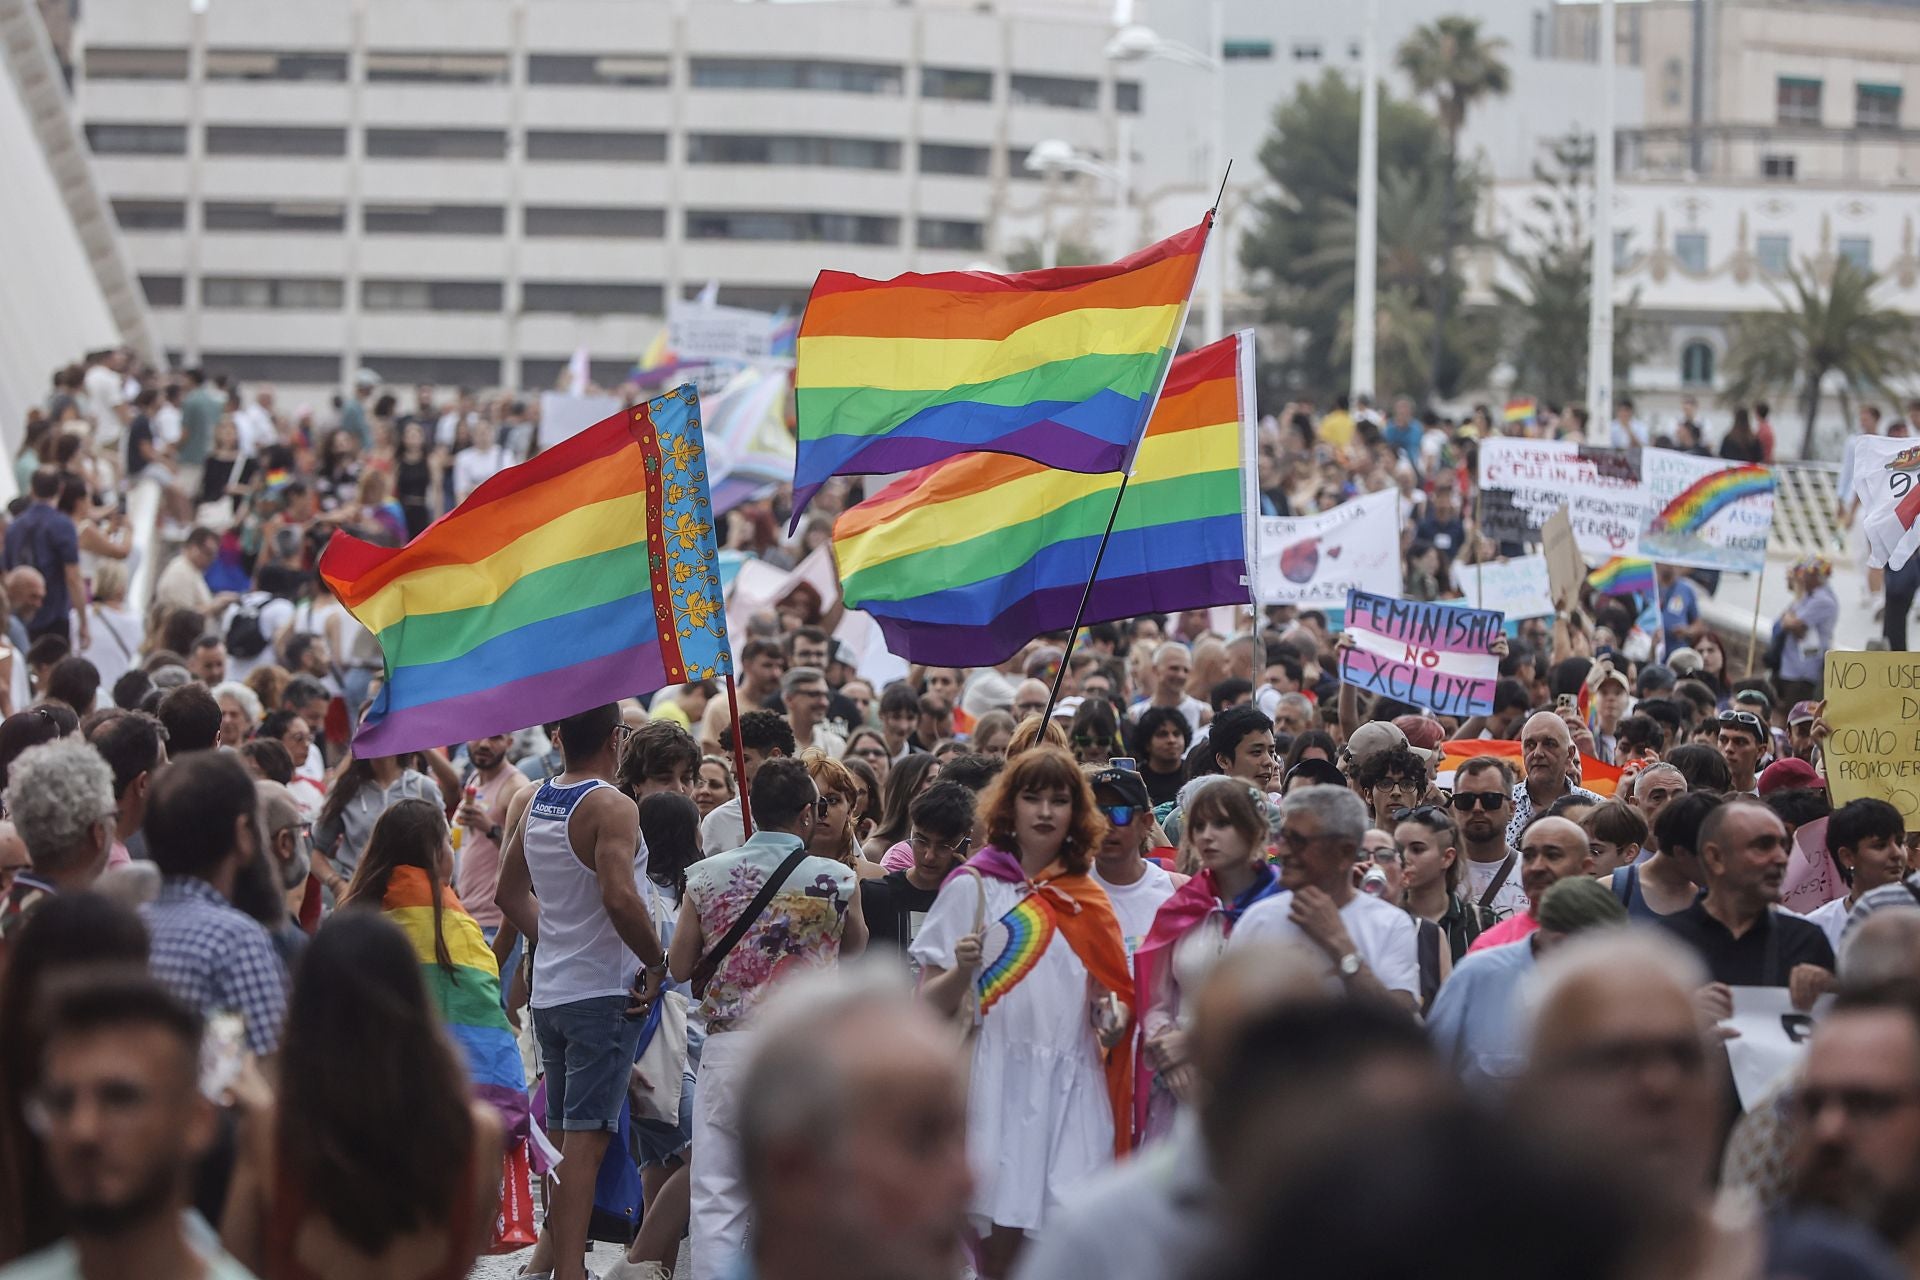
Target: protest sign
<point x="1523" y="482"/>
<point x="1811" y="880"/>
<point x="1873" y="715"/>
<point x="563" y="416"/>
<point x="708" y="331"/>
<point x="1516" y="587"/>
<point x="1883" y="474"/>
<point x="1565" y="566"/>
<point x="1434" y="656"/>
<point x="1772" y="1040"/>
<point x="1705" y="512"/>
<point x="1316" y="560"/>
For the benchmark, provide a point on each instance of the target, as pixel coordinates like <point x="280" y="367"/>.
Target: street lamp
<point x="1135" y="43"/>
<point x="1054" y="156"/>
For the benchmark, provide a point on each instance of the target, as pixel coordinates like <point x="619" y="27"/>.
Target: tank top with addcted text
<point x="580" y="955"/>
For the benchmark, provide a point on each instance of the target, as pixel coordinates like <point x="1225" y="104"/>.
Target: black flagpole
<point x="1100" y="552"/>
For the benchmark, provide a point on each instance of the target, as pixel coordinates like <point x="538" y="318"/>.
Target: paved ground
<point x="603" y="1256"/>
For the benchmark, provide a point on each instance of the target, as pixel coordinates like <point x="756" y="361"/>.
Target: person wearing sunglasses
<point x="1482" y="803"/>
<point x="1136" y="886"/>
<point x="1094" y="732"/>
<point x="1742" y="739"/>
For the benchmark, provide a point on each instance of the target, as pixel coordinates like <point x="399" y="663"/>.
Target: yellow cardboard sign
<point x="1873" y="712"/>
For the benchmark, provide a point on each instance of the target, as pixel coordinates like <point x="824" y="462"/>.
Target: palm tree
<point x="1449" y="59"/>
<point x="1818" y="330"/>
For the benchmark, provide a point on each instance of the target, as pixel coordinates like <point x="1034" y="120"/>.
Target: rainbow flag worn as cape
<point x="1623" y="576"/>
<point x="468" y="998"/>
<point x="585" y="575"/>
<point x="963" y="562"/>
<point x="1059" y="366"/>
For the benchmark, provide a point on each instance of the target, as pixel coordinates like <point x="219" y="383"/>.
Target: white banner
<point x="1883" y="475"/>
<point x="1316" y="560"/>
<point x="563" y="416"/>
<point x="1772" y="1040"/>
<point x="1706" y="512"/>
<point x="1516" y="587"/>
<point x="1523" y="482"/>
<point x="712" y="332"/>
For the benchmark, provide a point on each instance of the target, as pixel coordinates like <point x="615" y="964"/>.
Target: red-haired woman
<point x="1026" y="930"/>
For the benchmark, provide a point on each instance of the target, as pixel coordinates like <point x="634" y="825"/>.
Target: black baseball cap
<point x="1121" y="786"/>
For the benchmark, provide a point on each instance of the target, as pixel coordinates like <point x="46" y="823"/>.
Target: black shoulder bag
<point x="710" y="962"/>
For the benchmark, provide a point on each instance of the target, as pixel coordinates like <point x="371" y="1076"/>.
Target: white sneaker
<point x="624" y="1270"/>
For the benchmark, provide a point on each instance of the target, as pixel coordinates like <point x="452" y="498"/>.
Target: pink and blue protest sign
<point x="1435" y="656"/>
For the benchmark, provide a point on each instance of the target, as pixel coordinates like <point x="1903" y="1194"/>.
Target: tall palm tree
<point x="1449" y="59"/>
<point x="1819" y="329"/>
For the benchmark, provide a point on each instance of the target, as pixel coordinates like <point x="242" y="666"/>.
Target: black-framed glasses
<point x="1120" y="815"/>
<point x="1465" y="801"/>
<point x="1296" y="841"/>
<point x="1421" y="813"/>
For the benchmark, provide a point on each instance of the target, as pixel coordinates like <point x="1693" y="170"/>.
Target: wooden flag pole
<point x="1753" y="632"/>
<point x="739" y="756"/>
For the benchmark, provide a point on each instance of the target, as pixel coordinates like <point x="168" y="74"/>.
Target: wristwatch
<point x="1350" y="964"/>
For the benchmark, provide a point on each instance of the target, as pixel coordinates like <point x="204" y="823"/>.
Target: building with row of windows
<point x="467" y="192"/>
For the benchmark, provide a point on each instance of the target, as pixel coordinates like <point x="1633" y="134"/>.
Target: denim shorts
<point x="586" y="1050"/>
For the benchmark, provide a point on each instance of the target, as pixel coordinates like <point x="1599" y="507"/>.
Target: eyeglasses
<point x="1421" y="813"/>
<point x="872" y="753"/>
<point x="621" y="732"/>
<point x="1296" y="842"/>
<point x="924" y="843"/>
<point x="1120" y="815"/>
<point x="1857" y="1101"/>
<point x="1745" y="719"/>
<point x="1465" y="801"/>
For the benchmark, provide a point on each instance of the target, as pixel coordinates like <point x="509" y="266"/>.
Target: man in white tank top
<point x="569" y="883"/>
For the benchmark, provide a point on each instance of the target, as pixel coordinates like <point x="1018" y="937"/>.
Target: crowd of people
<point x="1151" y="951"/>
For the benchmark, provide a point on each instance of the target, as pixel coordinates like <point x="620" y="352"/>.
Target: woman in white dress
<point x="1025" y="930"/>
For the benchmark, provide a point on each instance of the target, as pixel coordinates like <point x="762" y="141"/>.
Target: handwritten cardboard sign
<point x="1873" y="749"/>
<point x="1435" y="656"/>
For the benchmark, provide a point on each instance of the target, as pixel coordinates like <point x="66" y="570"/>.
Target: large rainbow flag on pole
<point x="582" y="576"/>
<point x="963" y="562"/>
<point x="1057" y="366"/>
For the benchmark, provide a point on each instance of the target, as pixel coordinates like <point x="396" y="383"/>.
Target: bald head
<point x="1551" y="850"/>
<point x="1655" y="787"/>
<point x="26" y="589"/>
<point x="1248" y="981"/>
<point x="1618" y="1065"/>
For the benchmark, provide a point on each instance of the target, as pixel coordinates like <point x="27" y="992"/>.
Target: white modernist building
<point x="465" y="192"/>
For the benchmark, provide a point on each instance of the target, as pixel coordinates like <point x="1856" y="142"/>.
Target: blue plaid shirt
<point x="217" y="959"/>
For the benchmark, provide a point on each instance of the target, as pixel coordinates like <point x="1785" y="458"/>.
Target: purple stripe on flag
<point x="946" y="644"/>
<point x="531" y="700"/>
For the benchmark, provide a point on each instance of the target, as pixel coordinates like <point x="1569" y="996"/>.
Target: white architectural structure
<point x="1692" y="257"/>
<point x="468" y="192"/>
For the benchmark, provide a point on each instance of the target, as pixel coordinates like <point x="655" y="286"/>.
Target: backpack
<point x="245" y="638"/>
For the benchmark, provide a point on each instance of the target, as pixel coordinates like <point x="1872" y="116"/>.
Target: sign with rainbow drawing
<point x="1705" y="512"/>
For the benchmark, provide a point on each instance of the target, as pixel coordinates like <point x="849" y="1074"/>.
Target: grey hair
<point x="1299" y="702"/>
<point x="249" y="700"/>
<point x="57" y="792"/>
<point x="795" y="1088"/>
<point x="1623" y="957"/>
<point x="1170" y="647"/>
<point x="797" y="676"/>
<point x="1341" y="813"/>
<point x="1881" y="949"/>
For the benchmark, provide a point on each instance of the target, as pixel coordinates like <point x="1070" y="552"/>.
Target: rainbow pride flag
<point x="1623" y="576"/>
<point x="1706" y="497"/>
<point x="468" y="998"/>
<point x="582" y="576"/>
<point x="964" y="562"/>
<point x="1595" y="775"/>
<point x="1521" y="410"/>
<point x="1057" y="366"/>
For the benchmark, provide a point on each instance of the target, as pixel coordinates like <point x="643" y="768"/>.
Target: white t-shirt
<point x="104" y="390"/>
<point x="1191" y="708"/>
<point x="1832" y="919"/>
<point x="1509" y="901"/>
<point x="473" y="467"/>
<point x="722" y="831"/>
<point x="1383" y="935"/>
<point x="1138" y="903"/>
